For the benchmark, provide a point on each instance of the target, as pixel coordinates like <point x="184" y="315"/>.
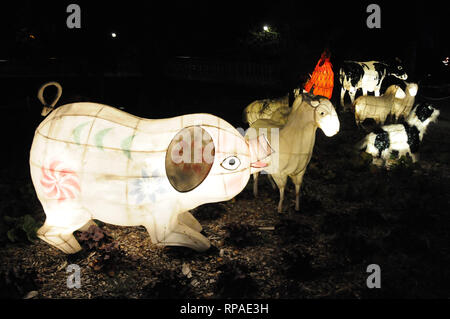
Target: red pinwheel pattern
<point x="59" y="183"/>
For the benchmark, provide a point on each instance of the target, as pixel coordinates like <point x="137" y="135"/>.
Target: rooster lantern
<point x="322" y="80"/>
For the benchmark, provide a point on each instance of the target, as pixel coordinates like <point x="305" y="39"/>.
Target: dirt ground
<point x="352" y="215"/>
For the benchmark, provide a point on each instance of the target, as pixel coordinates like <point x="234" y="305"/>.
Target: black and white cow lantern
<point x="367" y="76"/>
<point x="398" y="140"/>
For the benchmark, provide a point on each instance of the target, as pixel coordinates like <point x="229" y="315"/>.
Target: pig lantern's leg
<point x="61" y="222"/>
<point x="190" y="221"/>
<point x="297" y="180"/>
<point x="87" y="225"/>
<point x="61" y="238"/>
<point x="175" y="232"/>
<point x="255" y="184"/>
<point x="183" y="235"/>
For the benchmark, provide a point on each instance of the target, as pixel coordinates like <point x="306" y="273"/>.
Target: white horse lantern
<point x="92" y="161"/>
<point x="294" y="143"/>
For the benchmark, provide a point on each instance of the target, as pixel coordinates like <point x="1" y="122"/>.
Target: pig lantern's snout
<point x="259" y="149"/>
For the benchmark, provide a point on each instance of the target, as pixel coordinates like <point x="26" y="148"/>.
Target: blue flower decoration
<point x="148" y="187"/>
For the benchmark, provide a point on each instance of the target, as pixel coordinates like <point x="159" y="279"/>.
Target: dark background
<point x="180" y="57"/>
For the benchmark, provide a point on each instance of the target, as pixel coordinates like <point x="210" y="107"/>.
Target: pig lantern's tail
<point x="47" y="108"/>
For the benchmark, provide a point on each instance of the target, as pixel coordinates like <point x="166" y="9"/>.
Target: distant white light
<point x="113" y="35"/>
<point x="266" y="28"/>
<point x="446" y="61"/>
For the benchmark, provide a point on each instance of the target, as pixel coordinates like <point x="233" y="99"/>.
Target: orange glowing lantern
<point x="322" y="80"/>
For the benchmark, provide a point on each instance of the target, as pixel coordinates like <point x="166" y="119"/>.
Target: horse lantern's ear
<point x="314" y="103"/>
<point x="189" y="158"/>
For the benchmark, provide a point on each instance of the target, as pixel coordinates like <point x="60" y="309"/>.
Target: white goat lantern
<point x="92" y="161"/>
<point x="397" y="140"/>
<point x="367" y="76"/>
<point x="378" y="107"/>
<point x="294" y="142"/>
<point x="276" y="109"/>
<point x="402" y="107"/>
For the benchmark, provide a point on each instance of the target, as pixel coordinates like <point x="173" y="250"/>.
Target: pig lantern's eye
<point x="231" y="163"/>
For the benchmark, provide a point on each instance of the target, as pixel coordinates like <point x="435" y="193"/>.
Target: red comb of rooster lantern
<point x="321" y="81"/>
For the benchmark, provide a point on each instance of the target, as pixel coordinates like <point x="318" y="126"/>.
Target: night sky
<point x="205" y="28"/>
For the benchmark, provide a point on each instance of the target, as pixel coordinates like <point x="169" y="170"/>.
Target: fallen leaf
<point x="31" y="294"/>
<point x="186" y="270"/>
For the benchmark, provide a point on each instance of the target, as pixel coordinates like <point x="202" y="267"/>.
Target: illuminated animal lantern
<point x="47" y="108"/>
<point x="378" y="107"/>
<point x="276" y="109"/>
<point x="92" y="161"/>
<point x="322" y="79"/>
<point x="367" y="76"/>
<point x="397" y="140"/>
<point x="402" y="107"/>
<point x="293" y="142"/>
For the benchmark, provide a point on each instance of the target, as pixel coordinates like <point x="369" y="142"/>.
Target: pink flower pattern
<point x="59" y="183"/>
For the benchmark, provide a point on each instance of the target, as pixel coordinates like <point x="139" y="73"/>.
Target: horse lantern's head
<point x="325" y="116"/>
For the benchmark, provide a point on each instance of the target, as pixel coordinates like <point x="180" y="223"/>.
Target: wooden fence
<point x="230" y="72"/>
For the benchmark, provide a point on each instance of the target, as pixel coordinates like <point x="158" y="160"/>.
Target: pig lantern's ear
<point x="189" y="158"/>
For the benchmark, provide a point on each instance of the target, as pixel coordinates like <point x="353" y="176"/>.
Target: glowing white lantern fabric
<point x="276" y="109"/>
<point x="402" y="107"/>
<point x="48" y="107"/>
<point x="92" y="161"/>
<point x="397" y="140"/>
<point x="378" y="107"/>
<point x="294" y="141"/>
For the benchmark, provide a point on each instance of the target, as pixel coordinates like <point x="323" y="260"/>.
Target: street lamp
<point x="266" y="28"/>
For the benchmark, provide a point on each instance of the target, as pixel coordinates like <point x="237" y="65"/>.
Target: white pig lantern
<point x="92" y="161"/>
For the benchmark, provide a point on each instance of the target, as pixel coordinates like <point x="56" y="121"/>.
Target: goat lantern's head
<point x="213" y="163"/>
<point x="396" y="91"/>
<point x="325" y="115"/>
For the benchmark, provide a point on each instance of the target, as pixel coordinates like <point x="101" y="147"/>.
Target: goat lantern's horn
<point x="259" y="150"/>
